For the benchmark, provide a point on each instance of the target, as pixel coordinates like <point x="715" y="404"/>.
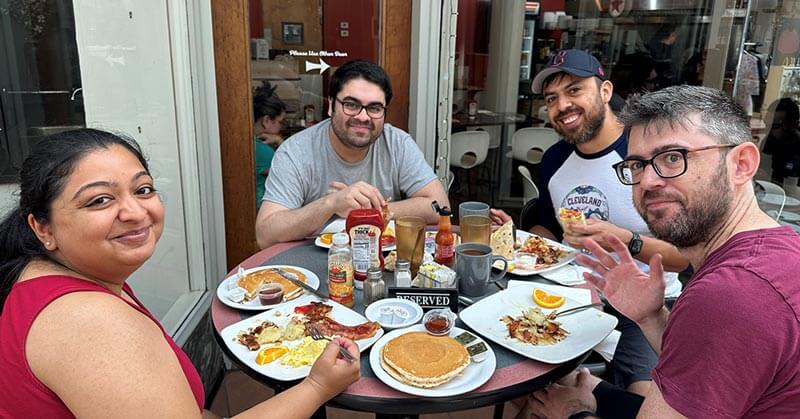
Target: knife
<point x="293" y="279"/>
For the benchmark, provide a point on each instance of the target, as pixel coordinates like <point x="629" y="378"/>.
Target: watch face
<point x="635" y="246"/>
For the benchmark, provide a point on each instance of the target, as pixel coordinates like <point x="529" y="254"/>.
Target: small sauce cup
<point x="439" y="321"/>
<point x="270" y="294"/>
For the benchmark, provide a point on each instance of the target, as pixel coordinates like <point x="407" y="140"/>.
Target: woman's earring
<point x="47" y="245"/>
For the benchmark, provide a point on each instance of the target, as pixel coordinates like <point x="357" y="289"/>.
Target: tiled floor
<point x="239" y="392"/>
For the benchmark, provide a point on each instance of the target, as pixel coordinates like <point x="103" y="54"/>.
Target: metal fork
<point x="577" y="309"/>
<point x="317" y="335"/>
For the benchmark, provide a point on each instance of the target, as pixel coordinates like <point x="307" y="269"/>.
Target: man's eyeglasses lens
<point x="352" y="108"/>
<point x="667" y="164"/>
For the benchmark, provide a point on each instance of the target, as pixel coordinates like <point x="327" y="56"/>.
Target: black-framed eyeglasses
<point x="353" y="108"/>
<point x="667" y="164"/>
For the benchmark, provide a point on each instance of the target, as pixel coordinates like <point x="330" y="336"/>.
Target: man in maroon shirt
<point x="730" y="347"/>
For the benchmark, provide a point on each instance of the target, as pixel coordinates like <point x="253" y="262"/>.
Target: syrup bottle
<point x="445" y="239"/>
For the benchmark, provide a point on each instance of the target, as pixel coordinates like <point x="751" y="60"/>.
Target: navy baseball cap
<point x="573" y="61"/>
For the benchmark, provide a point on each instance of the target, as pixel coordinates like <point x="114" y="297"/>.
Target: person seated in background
<point x="729" y="346"/>
<point x="351" y="160"/>
<point x="575" y="174"/>
<point x="269" y="112"/>
<point x="74" y="339"/>
<point x="783" y="140"/>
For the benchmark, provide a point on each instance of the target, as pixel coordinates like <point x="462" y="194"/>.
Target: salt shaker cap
<point x="402" y="264"/>
<point x="374" y="273"/>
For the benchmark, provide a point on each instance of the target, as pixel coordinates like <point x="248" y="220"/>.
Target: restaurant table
<point x="462" y="121"/>
<point x="515" y="375"/>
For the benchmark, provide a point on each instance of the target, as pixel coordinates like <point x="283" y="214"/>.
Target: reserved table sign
<point x="428" y="298"/>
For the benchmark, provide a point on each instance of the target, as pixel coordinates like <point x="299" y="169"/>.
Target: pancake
<point x="421" y="360"/>
<point x="252" y="281"/>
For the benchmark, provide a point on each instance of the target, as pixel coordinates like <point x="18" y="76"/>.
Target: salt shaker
<point x="402" y="273"/>
<point x="374" y="287"/>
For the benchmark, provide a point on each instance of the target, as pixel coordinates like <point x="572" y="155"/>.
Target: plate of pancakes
<point x="415" y="362"/>
<point x="252" y="279"/>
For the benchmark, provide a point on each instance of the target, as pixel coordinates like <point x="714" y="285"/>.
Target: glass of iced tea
<point x="476" y="229"/>
<point x="410" y="241"/>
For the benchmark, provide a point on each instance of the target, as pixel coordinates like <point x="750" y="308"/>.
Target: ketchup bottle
<point x="365" y="227"/>
<point x="445" y="239"/>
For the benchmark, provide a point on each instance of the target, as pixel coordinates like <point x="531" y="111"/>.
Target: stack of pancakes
<point x="254" y="280"/>
<point x="421" y="360"/>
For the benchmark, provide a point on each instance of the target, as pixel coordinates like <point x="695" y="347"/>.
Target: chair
<point x="468" y="149"/>
<point x="530" y="191"/>
<point x="529" y="144"/>
<point x="773" y="195"/>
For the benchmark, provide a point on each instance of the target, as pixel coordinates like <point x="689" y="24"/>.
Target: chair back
<point x="774" y="195"/>
<point x="494" y="134"/>
<point x="529" y="144"/>
<point x="469" y="148"/>
<point x="530" y="191"/>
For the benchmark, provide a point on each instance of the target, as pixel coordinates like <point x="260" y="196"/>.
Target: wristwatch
<point x="635" y="245"/>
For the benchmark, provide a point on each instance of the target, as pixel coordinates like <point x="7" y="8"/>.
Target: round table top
<point x="515" y="375"/>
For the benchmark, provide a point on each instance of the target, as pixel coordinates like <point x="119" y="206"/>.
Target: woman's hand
<point x="331" y="373"/>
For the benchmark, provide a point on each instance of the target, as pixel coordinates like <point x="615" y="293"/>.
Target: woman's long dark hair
<point x="41" y="181"/>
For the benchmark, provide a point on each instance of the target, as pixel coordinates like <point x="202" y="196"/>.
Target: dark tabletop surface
<point x="515" y="375"/>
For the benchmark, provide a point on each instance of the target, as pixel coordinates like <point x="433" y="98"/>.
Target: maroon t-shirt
<point x="732" y="344"/>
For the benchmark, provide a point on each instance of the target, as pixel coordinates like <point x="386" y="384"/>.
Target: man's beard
<point x="587" y="131"/>
<point x="692" y="225"/>
<point x="354" y="141"/>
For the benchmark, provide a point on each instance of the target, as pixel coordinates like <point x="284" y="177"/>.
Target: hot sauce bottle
<point x="445" y="239"/>
<point x="365" y="227"/>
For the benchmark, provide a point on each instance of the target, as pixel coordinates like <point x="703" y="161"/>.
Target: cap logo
<point x="559" y="58"/>
<point x="600" y="71"/>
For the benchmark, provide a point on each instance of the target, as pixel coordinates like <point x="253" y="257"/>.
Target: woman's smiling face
<point x="107" y="220"/>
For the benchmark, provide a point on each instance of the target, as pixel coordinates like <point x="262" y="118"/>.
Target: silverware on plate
<point x="293" y="279"/>
<point x="317" y="335"/>
<point x="577" y="309"/>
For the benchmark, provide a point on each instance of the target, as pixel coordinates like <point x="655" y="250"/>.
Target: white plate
<point x="568" y="275"/>
<point x="522" y="236"/>
<point x="337" y="226"/>
<point x="255" y="304"/>
<point x="414" y="312"/>
<point x="275" y="369"/>
<point x="474" y="376"/>
<point x="586" y="328"/>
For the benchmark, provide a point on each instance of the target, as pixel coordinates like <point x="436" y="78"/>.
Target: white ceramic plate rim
<point x="274" y="369"/>
<point x="479" y="372"/>
<point x="222" y="290"/>
<point x="522" y="236"/>
<point x="484" y="317"/>
<point x="373" y="315"/>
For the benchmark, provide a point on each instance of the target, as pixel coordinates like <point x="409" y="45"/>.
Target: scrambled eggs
<point x="305" y="353"/>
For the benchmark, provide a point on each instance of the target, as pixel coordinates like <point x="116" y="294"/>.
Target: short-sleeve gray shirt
<point x="305" y="164"/>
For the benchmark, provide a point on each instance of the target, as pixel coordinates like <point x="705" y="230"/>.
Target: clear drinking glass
<point x="476" y="229"/>
<point x="410" y="241"/>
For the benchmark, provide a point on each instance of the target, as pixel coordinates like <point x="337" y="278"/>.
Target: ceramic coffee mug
<point x="474" y="268"/>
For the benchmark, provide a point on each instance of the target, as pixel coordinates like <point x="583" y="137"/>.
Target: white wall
<point x="135" y="69"/>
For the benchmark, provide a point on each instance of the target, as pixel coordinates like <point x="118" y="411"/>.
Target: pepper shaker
<point x="374" y="287"/>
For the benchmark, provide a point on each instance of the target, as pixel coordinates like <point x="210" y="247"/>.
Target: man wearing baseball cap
<point x="576" y="173"/>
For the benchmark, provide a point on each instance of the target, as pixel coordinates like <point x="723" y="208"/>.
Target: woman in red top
<point x="74" y="340"/>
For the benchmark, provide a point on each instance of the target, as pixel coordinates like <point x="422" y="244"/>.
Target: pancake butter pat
<point x="365" y="227"/>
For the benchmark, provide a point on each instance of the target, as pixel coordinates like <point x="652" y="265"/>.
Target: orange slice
<point x="326" y="238"/>
<point x="543" y="299"/>
<point x="270" y="354"/>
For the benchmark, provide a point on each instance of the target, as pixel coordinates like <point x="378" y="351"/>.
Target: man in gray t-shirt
<point x="352" y="160"/>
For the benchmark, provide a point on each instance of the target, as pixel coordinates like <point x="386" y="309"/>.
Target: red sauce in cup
<point x="438" y="325"/>
<point x="270" y="294"/>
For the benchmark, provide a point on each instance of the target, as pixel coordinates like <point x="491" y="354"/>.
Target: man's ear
<point x="330" y="107"/>
<point x="606" y="91"/>
<point x="743" y="160"/>
<point x="43" y="233"/>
